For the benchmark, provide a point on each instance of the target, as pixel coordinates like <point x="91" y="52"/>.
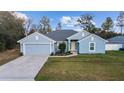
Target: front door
<point x="73" y="45"/>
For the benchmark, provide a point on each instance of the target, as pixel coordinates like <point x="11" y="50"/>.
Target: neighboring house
<point x="115" y="43"/>
<point x="80" y="42"/>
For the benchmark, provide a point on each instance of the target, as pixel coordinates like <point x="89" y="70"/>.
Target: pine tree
<point x="120" y="21"/>
<point x="107" y="24"/>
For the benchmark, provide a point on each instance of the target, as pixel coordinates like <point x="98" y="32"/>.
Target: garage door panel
<point x="37" y="49"/>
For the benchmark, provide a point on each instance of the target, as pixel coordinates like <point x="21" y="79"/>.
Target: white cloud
<point x="20" y="15"/>
<point x="70" y="25"/>
<point x="65" y="20"/>
<point x="69" y="21"/>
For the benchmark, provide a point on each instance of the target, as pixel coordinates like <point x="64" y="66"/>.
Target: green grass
<point x="109" y="66"/>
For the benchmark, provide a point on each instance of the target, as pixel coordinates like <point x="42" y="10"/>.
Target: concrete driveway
<point x="22" y="68"/>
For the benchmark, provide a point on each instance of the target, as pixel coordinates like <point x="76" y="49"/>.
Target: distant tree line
<point x="13" y="28"/>
<point x="106" y="30"/>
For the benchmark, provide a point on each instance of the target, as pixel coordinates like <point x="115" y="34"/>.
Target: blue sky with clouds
<point x="68" y="18"/>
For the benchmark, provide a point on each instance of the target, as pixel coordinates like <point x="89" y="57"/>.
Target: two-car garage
<point x="36" y="44"/>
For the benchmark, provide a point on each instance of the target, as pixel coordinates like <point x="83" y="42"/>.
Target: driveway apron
<point x="22" y="68"/>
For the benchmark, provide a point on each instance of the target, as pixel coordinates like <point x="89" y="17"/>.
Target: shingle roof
<point x="117" y="40"/>
<point x="61" y="35"/>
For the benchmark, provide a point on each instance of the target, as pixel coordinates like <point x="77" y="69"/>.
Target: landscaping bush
<point x="62" y="47"/>
<point x="68" y="53"/>
<point x="2" y="46"/>
<point x="52" y="54"/>
<point x="121" y="49"/>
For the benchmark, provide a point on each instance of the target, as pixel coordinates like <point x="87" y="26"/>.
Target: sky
<point x="68" y="18"/>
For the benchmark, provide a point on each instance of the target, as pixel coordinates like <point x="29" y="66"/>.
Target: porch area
<point x="73" y="46"/>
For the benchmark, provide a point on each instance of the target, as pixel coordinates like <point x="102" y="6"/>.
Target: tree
<point x="2" y="47"/>
<point x="8" y="41"/>
<point x="11" y="29"/>
<point x="58" y="28"/>
<point x="107" y="35"/>
<point x="27" y="26"/>
<point x="107" y="24"/>
<point x="62" y="47"/>
<point x="120" y="21"/>
<point x="49" y="29"/>
<point x="11" y="25"/>
<point x="86" y="22"/>
<point x="44" y="26"/>
<point x="33" y="29"/>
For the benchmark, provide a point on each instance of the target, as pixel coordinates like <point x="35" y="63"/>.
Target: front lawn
<point x="8" y="55"/>
<point x="109" y="66"/>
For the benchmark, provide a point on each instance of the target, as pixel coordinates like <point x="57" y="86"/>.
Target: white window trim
<point x="94" y="47"/>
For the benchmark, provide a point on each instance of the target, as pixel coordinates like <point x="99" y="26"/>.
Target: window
<point x="92" y="46"/>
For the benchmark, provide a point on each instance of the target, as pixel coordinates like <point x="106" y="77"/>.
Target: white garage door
<point x="37" y="49"/>
<point x="113" y="46"/>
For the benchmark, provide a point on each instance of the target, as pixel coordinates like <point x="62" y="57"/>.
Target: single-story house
<point x="80" y="42"/>
<point x="115" y="43"/>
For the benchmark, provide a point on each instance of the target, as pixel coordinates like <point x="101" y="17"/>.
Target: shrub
<point x="69" y="52"/>
<point x="8" y="41"/>
<point x="62" y="47"/>
<point x="2" y="46"/>
<point x="52" y="54"/>
<point x="121" y="49"/>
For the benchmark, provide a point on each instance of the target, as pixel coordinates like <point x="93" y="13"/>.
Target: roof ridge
<point x="61" y="35"/>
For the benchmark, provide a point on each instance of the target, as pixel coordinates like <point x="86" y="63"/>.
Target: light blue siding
<point x="122" y="45"/>
<point x="76" y="36"/>
<point x="84" y="45"/>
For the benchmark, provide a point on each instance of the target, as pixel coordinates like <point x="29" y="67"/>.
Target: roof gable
<point x="79" y="35"/>
<point x="33" y="35"/>
<point x="90" y="36"/>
